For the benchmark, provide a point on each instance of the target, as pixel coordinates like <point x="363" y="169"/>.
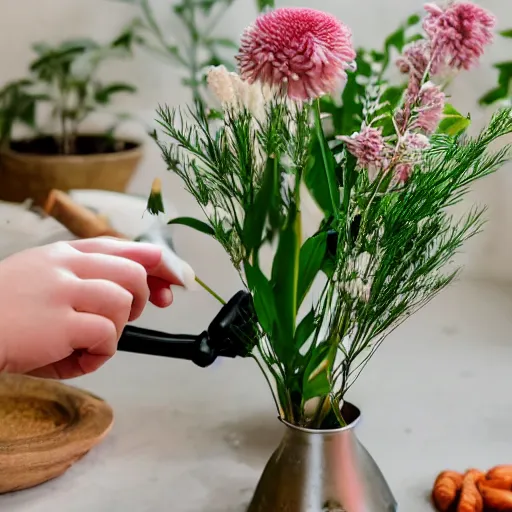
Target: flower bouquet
<point x="384" y="185"/>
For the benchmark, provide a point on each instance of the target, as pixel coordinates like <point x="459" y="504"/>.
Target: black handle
<point x="176" y="346"/>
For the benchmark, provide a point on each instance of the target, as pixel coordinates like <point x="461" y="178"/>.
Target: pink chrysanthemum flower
<point x="458" y="34"/>
<point x="368" y="146"/>
<point x="429" y="110"/>
<point x="306" y="50"/>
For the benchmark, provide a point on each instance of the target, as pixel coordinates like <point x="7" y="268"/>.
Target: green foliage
<point x="64" y="76"/>
<point x="503" y="90"/>
<point x="199" y="49"/>
<point x="17" y="105"/>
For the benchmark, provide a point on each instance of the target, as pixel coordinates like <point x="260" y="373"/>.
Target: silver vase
<point x="323" y="471"/>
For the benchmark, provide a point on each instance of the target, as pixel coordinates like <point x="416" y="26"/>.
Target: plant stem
<point x="210" y="291"/>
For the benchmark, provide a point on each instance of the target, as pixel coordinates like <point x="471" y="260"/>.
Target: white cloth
<point x="22" y="228"/>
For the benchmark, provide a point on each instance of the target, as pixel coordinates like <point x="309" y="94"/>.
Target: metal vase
<point x="323" y="471"/>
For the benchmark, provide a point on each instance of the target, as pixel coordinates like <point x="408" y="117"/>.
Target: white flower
<point x="287" y="184"/>
<point x="235" y="93"/>
<point x="358" y="289"/>
<point x="221" y="84"/>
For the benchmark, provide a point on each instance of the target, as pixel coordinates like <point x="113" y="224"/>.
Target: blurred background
<point x="158" y="79"/>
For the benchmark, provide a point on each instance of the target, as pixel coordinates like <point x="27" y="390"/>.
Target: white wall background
<point x="23" y="22"/>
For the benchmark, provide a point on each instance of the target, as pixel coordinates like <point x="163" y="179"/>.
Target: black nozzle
<point x="232" y="333"/>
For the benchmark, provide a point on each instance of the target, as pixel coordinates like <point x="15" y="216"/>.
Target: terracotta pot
<point x="26" y="172"/>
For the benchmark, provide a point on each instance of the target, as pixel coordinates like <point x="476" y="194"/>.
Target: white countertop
<point x="436" y="396"/>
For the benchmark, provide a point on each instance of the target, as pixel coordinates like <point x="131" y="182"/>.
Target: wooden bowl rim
<point x="95" y="420"/>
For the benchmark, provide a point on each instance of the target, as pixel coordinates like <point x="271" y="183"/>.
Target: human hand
<point x="63" y="306"/>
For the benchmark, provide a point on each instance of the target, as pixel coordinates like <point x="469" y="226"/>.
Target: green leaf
<point x="312" y="255"/>
<point x="257" y="213"/>
<point x="320" y="174"/>
<point x="82" y="44"/>
<point x="263" y="299"/>
<point x="28" y="113"/>
<point x="316" y="376"/>
<point x="349" y="179"/>
<point x="104" y="94"/>
<point x="224" y="42"/>
<point x="413" y="20"/>
<point x="453" y="122"/>
<point x="305" y="329"/>
<point x="414" y="38"/>
<point x="315" y="177"/>
<point x="506" y="33"/>
<point x="351" y="98"/>
<point x="395" y="40"/>
<point x="127" y="37"/>
<point x="285" y="273"/>
<point x="196" y="224"/>
<point x="505" y="68"/>
<point x="491" y="97"/>
<point x="262" y="5"/>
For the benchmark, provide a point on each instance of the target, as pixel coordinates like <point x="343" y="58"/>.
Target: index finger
<point x="159" y="261"/>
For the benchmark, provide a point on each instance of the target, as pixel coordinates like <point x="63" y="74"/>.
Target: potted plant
<point x="63" y="80"/>
<point x="384" y="183"/>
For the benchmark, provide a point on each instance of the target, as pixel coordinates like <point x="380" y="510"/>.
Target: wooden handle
<point x="78" y="219"/>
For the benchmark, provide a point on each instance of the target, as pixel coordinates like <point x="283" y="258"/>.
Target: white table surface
<point x="436" y="396"/>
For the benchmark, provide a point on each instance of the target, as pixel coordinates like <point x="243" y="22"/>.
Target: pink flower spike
<point x="304" y="50"/>
<point x="402" y="172"/>
<point x="458" y="34"/>
<point x="368" y="147"/>
<point x="415" y="60"/>
<point x="415" y="142"/>
<point x="430" y="108"/>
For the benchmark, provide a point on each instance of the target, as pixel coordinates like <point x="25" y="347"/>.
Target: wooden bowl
<point x="45" y="427"/>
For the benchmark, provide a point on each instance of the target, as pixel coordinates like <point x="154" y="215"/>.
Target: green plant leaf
<point x="28" y="113"/>
<point x="320" y="174"/>
<point x="316" y="375"/>
<point x="351" y="99"/>
<point x="221" y="41"/>
<point x="453" y="122"/>
<point x="312" y="255"/>
<point x="263" y="298"/>
<point x="395" y="40"/>
<point x="256" y="215"/>
<point x="506" y="33"/>
<point x="103" y="94"/>
<point x="285" y="273"/>
<point x="196" y="224"/>
<point x="494" y="95"/>
<point x="262" y="5"/>
<point x="413" y="20"/>
<point x="305" y="329"/>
